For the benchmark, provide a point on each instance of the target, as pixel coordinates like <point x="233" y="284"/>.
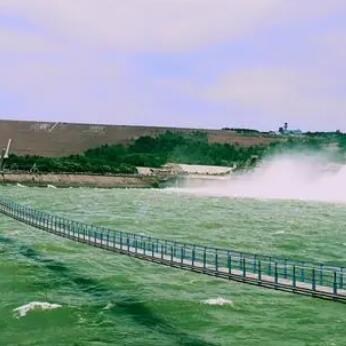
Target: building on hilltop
<point x="284" y="130"/>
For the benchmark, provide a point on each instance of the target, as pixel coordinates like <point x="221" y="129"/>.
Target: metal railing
<point x="310" y="278"/>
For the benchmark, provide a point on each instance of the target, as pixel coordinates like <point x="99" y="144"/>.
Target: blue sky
<point x="195" y="63"/>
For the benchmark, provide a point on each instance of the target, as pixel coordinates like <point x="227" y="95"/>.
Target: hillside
<point x="61" y="139"/>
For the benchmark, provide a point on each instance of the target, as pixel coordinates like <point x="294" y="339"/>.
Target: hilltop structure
<point x="284" y="130"/>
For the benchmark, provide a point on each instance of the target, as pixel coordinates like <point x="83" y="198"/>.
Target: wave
<point x="25" y="309"/>
<point x="109" y="306"/>
<point x="298" y="176"/>
<point x="217" y="301"/>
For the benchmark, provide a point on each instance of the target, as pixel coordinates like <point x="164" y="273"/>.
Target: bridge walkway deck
<point x="314" y="279"/>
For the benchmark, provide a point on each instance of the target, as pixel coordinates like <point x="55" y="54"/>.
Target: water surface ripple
<point x="109" y="299"/>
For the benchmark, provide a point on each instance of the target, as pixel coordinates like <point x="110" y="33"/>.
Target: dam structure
<point x="307" y="278"/>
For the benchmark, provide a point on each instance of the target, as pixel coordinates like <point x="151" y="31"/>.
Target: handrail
<point x="274" y="272"/>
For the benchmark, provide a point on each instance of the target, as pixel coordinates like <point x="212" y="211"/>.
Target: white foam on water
<point x="19" y="185"/>
<point x="217" y="301"/>
<point x="294" y="176"/>
<point x="109" y="306"/>
<point x="279" y="232"/>
<point x="25" y="309"/>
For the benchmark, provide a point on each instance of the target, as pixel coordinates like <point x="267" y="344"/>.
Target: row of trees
<point x="190" y="148"/>
<point x="73" y="164"/>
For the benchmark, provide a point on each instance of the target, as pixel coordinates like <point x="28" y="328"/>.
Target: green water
<point x="109" y="299"/>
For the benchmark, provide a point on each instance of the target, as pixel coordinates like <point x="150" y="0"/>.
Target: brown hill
<point x="59" y="139"/>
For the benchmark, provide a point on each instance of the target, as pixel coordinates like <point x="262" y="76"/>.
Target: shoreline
<point x="65" y="180"/>
<point x="145" y="178"/>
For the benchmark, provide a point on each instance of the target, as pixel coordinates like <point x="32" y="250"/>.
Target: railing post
<point x="259" y="270"/>
<point x="341" y="278"/>
<point x="229" y="262"/>
<point x="313" y="279"/>
<point x="171" y="254"/>
<point x="302" y="272"/>
<point x="174" y="249"/>
<point x="276" y="274"/>
<point x="205" y="258"/>
<point x="89" y="232"/>
<point x="216" y="260"/>
<point x="141" y="242"/>
<point x="193" y="255"/>
<point x="294" y="280"/>
<point x="335" y="284"/>
<point x="270" y="266"/>
<point x="93" y="240"/>
<point x="244" y="267"/>
<point x="68" y="230"/>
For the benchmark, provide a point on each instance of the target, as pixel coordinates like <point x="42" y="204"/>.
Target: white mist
<point x="298" y="176"/>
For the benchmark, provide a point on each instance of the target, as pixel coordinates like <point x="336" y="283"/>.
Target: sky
<point x="185" y="63"/>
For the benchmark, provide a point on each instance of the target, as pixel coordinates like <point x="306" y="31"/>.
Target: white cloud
<point x="22" y="42"/>
<point x="162" y="24"/>
<point x="147" y="24"/>
<point x="68" y="75"/>
<point x="333" y="46"/>
<point x="305" y="96"/>
<point x="74" y="87"/>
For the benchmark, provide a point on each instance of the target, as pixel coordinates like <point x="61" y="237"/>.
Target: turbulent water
<point x="57" y="292"/>
<point x="296" y="176"/>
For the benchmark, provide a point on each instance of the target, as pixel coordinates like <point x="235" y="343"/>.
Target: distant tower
<point x="286" y="126"/>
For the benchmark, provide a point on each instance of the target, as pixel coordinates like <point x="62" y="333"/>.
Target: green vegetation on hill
<point x="190" y="148"/>
<point x="332" y="143"/>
